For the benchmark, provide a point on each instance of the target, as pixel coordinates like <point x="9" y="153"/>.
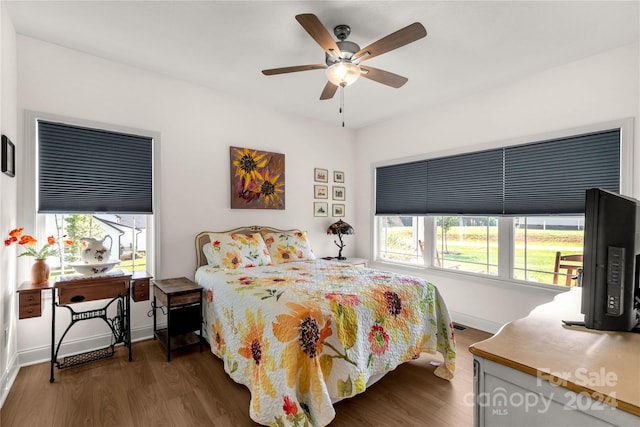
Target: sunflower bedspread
<point x="303" y="334"/>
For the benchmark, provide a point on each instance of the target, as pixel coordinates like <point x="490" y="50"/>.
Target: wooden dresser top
<point x="580" y="359"/>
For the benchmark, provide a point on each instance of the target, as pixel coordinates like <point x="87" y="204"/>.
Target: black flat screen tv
<point x="610" y="285"/>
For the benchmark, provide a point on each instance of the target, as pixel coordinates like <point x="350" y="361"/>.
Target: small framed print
<point x="320" y="209"/>
<point x="8" y="156"/>
<point x="320" y="191"/>
<point x="338" y="176"/>
<point x="338" y="193"/>
<point x="338" y="210"/>
<point x="321" y="175"/>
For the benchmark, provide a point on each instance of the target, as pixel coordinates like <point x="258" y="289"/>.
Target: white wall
<point x="8" y="192"/>
<point x="597" y="89"/>
<point x="196" y="126"/>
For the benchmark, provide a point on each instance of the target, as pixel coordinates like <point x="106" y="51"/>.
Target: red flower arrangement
<point x="28" y="242"/>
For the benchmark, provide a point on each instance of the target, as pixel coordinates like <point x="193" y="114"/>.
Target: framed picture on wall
<point x="320" y="175"/>
<point x="257" y="179"/>
<point x="320" y="191"/>
<point x="320" y="209"/>
<point x="8" y="156"/>
<point x="338" y="210"/>
<point x="338" y="176"/>
<point x="338" y="193"/>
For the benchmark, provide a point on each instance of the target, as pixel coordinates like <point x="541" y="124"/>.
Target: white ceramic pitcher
<point x="94" y="251"/>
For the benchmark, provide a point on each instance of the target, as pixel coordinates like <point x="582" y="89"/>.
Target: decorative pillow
<point x="234" y="250"/>
<point x="289" y="246"/>
<point x="207" y="250"/>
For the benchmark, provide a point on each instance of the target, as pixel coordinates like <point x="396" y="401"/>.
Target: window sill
<point x="467" y="275"/>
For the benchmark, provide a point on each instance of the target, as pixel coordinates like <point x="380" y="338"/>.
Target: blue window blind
<point x="541" y="178"/>
<point x="84" y="170"/>
<point x="466" y="184"/>
<point x="402" y="189"/>
<point x="553" y="176"/>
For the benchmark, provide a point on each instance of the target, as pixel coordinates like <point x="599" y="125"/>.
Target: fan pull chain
<point x="342" y="103"/>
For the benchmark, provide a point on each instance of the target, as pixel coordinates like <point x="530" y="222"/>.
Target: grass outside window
<point x="475" y="249"/>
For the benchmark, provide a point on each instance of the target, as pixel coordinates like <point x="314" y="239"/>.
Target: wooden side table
<point x="30" y="295"/>
<point x="183" y="300"/>
<point x="356" y="262"/>
<point x="78" y="290"/>
<point x="74" y="289"/>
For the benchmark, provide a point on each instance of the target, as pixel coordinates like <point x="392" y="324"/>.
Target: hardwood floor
<point x="193" y="389"/>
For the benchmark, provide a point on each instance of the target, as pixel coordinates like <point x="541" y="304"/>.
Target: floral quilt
<point x="303" y="334"/>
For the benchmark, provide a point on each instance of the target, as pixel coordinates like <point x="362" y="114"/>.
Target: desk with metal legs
<point x="70" y="292"/>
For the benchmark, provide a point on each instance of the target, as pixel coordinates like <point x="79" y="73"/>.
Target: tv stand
<point x="573" y="323"/>
<point x="635" y="330"/>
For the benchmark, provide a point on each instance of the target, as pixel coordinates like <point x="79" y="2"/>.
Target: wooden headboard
<point x="203" y="237"/>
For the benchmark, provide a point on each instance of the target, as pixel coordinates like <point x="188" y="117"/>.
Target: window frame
<point x="506" y="235"/>
<point x="27" y="207"/>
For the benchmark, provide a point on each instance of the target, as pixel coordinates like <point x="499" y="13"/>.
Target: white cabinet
<point x="507" y="397"/>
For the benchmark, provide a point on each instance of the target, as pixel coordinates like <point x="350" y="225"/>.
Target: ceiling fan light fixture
<point x="343" y="73"/>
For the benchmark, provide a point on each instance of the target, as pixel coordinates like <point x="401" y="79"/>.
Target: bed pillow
<point x="207" y="250"/>
<point x="235" y="250"/>
<point x="288" y="246"/>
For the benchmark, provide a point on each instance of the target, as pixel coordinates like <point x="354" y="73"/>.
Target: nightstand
<point x="183" y="300"/>
<point x="356" y="262"/>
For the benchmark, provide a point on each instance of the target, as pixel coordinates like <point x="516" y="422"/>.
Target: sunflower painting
<point x="257" y="179"/>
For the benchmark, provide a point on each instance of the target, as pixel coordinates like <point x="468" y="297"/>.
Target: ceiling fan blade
<point x="328" y="91"/>
<point x="384" y="77"/>
<point x="283" y="70"/>
<point x="393" y="41"/>
<point x="318" y="32"/>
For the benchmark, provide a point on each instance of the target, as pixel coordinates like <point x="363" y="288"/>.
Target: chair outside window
<point x="570" y="263"/>
<point x="421" y="243"/>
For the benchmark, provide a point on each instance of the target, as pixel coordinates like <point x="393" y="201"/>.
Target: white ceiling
<point x="470" y="46"/>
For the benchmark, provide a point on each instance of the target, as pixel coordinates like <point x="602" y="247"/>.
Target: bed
<point x="302" y="333"/>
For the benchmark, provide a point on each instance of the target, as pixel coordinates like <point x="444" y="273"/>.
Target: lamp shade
<point x="343" y="73"/>
<point x="340" y="228"/>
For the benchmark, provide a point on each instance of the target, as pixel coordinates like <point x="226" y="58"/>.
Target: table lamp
<point x="339" y="228"/>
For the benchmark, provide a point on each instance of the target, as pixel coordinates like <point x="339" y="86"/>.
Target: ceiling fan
<point x="343" y="59"/>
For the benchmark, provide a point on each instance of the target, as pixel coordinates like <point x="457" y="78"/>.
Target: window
<point x="531" y="195"/>
<point x="472" y="244"/>
<point x="461" y="243"/>
<point x="537" y="241"/>
<point x="467" y="243"/>
<point x="93" y="180"/>
<point x="124" y="235"/>
<point x="400" y="239"/>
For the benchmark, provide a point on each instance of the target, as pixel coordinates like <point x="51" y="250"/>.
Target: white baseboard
<point x="8" y="377"/>
<point x="475" y="322"/>
<point x="41" y="354"/>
